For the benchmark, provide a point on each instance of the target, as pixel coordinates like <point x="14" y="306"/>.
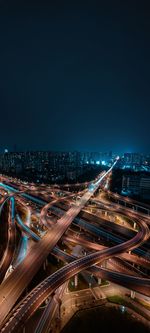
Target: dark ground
<point x="105" y="320"/>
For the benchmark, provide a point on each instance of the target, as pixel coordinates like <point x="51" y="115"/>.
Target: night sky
<point x="75" y="75"/>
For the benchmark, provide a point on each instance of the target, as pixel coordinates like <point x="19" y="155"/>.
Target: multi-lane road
<point x="14" y="285"/>
<point x="11" y="318"/>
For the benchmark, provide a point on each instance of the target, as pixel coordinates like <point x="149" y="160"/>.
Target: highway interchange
<point x="59" y="210"/>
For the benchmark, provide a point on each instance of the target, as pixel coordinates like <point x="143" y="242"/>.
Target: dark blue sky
<point x="75" y="75"/>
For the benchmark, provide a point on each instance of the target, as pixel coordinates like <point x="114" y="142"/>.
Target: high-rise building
<point x="136" y="184"/>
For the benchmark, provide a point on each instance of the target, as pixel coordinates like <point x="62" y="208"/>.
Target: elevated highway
<point x="13" y="286"/>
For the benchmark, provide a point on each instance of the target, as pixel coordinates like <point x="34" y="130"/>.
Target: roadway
<point x="33" y="300"/>
<point x="39" y="252"/>
<point x="13" y="286"/>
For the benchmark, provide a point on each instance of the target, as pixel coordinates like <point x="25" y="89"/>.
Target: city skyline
<point x="75" y="76"/>
<point x="18" y="149"/>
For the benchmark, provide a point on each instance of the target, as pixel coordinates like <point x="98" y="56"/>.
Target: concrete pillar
<point x="132" y="294"/>
<point x="99" y="281"/>
<point x="134" y="225"/>
<point x="104" y="264"/>
<point x="76" y="280"/>
<point x="46" y="301"/>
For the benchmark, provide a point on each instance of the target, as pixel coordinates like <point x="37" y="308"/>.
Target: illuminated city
<point x="92" y="240"/>
<point x="74" y="166"/>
